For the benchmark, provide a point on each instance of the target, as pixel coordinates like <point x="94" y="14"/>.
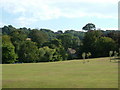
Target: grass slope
<point x="98" y="73"/>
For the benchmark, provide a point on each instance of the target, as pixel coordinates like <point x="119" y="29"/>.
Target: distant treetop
<point x="89" y="26"/>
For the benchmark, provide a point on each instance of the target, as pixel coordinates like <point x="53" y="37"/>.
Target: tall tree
<point x="89" y="26"/>
<point x="46" y="54"/>
<point x="38" y="36"/>
<point x="69" y="41"/>
<point x="28" y="52"/>
<point x="17" y="38"/>
<point x="104" y="45"/>
<point x="8" y="53"/>
<point x="60" y="51"/>
<point x="89" y="41"/>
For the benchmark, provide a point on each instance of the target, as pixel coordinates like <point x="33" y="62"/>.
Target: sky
<point x="59" y="14"/>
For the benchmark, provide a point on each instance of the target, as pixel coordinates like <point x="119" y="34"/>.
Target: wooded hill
<point x="44" y="45"/>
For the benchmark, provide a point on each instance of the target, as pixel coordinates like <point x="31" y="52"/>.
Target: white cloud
<point x="2" y="24"/>
<point x="31" y="11"/>
<point x="110" y="28"/>
<point x="24" y="21"/>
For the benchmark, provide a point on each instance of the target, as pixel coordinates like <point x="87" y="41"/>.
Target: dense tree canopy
<point x="8" y="53"/>
<point x="104" y="45"/>
<point x="69" y="41"/>
<point x="8" y="29"/>
<point x="89" y="41"/>
<point x="38" y="36"/>
<point x="44" y="45"/>
<point x="28" y="52"/>
<point x="50" y="34"/>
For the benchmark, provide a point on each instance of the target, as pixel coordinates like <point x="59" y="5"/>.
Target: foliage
<point x="104" y="45"/>
<point x="50" y="34"/>
<point x="83" y="55"/>
<point x="46" y="54"/>
<point x="6" y="30"/>
<point x="69" y="41"/>
<point x="38" y="36"/>
<point x="88" y="54"/>
<point x="25" y="30"/>
<point x="89" y="26"/>
<point x="110" y="54"/>
<point x="6" y="39"/>
<point x="8" y="53"/>
<point x="28" y="52"/>
<point x="56" y="44"/>
<point x="115" y="35"/>
<point x="59" y="32"/>
<point x="115" y="54"/>
<point x="89" y="42"/>
<point x="34" y="45"/>
<point x="95" y="43"/>
<point x="78" y="34"/>
<point x="17" y="38"/>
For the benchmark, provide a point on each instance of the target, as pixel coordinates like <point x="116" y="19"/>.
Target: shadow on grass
<point x="115" y="60"/>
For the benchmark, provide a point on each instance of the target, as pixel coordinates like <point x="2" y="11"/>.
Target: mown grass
<point x="98" y="73"/>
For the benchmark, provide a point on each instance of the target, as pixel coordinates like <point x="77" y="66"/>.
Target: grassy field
<point x="98" y="73"/>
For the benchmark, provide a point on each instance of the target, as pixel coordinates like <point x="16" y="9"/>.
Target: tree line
<point x="26" y="45"/>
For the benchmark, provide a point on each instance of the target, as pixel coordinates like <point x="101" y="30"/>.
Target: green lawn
<point x="98" y="73"/>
